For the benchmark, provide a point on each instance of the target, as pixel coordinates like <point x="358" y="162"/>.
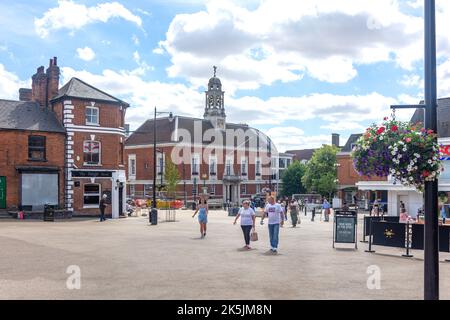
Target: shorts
<point x="202" y="218"/>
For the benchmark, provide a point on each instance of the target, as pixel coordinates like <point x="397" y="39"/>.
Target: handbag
<point x="254" y="236"/>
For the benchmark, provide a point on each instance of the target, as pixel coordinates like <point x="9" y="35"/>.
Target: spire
<point x="214" y="102"/>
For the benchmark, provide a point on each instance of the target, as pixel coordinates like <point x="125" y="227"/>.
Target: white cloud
<point x="72" y="16"/>
<point x="412" y="80"/>
<point x="290" y="138"/>
<point x="142" y="95"/>
<point x="283" y="40"/>
<point x="158" y="51"/>
<point x="343" y="126"/>
<point x="86" y="54"/>
<point x="10" y="84"/>
<point x="135" y="40"/>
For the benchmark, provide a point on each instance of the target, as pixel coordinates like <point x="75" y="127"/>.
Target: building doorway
<point x="2" y="192"/>
<point x="121" y="200"/>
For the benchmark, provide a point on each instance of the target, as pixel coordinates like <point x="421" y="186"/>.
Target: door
<point x="120" y="201"/>
<point x="2" y="192"/>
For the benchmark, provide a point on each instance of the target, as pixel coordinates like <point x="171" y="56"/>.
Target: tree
<point x="172" y="177"/>
<point x="292" y="179"/>
<point x="321" y="174"/>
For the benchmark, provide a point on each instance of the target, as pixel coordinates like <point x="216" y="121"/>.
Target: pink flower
<point x="408" y="139"/>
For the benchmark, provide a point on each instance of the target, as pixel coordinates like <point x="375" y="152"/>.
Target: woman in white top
<point x="247" y="215"/>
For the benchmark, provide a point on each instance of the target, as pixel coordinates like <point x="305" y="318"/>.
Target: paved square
<point x="129" y="259"/>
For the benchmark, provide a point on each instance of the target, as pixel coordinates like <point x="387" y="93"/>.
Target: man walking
<point x="326" y="207"/>
<point x="275" y="214"/>
<point x="102" y="207"/>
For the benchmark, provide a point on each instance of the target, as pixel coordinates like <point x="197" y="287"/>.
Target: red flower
<point x="425" y="173"/>
<point x="380" y="130"/>
<point x="394" y="128"/>
<point x="430" y="131"/>
<point x="385" y="118"/>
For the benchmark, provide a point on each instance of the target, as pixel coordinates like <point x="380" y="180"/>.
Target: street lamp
<point x="204" y="177"/>
<point x="154" y="212"/>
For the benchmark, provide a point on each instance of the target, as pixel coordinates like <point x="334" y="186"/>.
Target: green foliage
<point x="321" y="174"/>
<point x="172" y="177"/>
<point x="292" y="179"/>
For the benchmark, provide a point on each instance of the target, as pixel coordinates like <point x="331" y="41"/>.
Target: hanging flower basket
<point x="407" y="152"/>
<point x="371" y="154"/>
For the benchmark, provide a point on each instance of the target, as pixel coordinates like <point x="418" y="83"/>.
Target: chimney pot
<point x="55" y="61"/>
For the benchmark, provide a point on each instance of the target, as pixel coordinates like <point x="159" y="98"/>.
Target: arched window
<point x="91" y="152"/>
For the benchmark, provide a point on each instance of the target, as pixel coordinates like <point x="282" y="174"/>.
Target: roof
<point x="77" y="88"/>
<point x="304" y="154"/>
<point x="443" y="117"/>
<point x="28" y="115"/>
<point x="164" y="129"/>
<point x="350" y="141"/>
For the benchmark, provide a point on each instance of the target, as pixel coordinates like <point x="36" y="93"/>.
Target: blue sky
<point x="298" y="70"/>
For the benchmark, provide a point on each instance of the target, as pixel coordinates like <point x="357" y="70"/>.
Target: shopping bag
<point x="254" y="236"/>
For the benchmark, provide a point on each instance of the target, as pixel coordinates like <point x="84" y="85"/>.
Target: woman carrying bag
<point x="247" y="215"/>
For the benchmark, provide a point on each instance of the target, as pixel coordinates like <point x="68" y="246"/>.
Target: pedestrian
<point x="326" y="209"/>
<point x="274" y="212"/>
<point x="283" y="213"/>
<point x="202" y="210"/>
<point x="294" y="210"/>
<point x="376" y="208"/>
<point x="286" y="206"/>
<point x="247" y="215"/>
<point x="102" y="207"/>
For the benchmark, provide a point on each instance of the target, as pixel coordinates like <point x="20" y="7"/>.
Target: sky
<point x="297" y="70"/>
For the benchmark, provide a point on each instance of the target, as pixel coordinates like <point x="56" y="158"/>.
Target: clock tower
<point x="214" y="105"/>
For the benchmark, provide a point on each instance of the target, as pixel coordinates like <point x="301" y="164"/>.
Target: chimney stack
<point x="52" y="79"/>
<point x="25" y="94"/>
<point x="335" y="139"/>
<point x="45" y="85"/>
<point x="39" y="87"/>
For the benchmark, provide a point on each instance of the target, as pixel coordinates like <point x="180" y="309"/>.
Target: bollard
<point x="370" y="238"/>
<point x="407" y="255"/>
<point x="364" y="230"/>
<point x="313" y="214"/>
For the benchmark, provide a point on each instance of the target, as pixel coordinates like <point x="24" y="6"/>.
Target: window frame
<point x="99" y="163"/>
<point x="89" y="123"/>
<point x="91" y="206"/>
<point x="131" y="158"/>
<point x="42" y="149"/>
<point x="195" y="157"/>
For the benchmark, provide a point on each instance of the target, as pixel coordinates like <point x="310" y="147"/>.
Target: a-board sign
<point x="345" y="229"/>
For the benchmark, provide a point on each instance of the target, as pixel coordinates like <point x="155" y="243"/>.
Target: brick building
<point x="84" y="143"/>
<point x="227" y="161"/>
<point x="348" y="178"/>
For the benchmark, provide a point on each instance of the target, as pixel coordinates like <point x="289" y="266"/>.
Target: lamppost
<point x="194" y="206"/>
<point x="154" y="213"/>
<point x="184" y="184"/>
<point x="204" y="177"/>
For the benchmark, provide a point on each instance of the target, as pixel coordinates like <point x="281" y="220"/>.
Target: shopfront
<point x="413" y="200"/>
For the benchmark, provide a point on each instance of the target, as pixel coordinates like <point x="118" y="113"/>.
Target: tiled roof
<point x="77" y="88"/>
<point x="350" y="141"/>
<point x="443" y="117"/>
<point x="27" y="115"/>
<point x="304" y="154"/>
<point x="164" y="129"/>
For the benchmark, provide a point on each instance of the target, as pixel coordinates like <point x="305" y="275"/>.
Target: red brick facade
<point x="14" y="154"/>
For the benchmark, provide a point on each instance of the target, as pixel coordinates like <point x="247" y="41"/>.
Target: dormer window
<point x="92" y="116"/>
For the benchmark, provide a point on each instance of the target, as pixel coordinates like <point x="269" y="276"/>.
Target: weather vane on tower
<point x="215" y="69"/>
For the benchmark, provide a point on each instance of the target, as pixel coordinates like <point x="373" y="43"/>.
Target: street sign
<point x="345" y="229"/>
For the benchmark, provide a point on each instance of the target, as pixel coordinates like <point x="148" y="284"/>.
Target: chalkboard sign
<point x="344" y="229"/>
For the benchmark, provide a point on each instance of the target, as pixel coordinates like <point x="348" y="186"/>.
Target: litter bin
<point x="49" y="213"/>
<point x="154" y="216"/>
